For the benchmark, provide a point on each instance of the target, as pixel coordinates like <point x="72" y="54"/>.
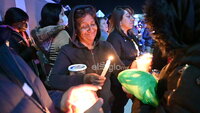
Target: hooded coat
<point x="94" y="59"/>
<point x="177" y="30"/>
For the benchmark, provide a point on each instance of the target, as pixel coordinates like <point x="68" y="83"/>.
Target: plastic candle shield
<point x="83" y="100"/>
<point x="140" y="84"/>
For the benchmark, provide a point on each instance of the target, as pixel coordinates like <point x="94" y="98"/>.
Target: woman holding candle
<point x="22" y="91"/>
<point x="85" y="48"/>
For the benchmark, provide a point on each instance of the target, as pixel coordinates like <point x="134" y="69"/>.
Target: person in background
<point x="121" y="37"/>
<point x="126" y="46"/>
<point x="51" y="35"/>
<point x="85" y="48"/>
<point x="148" y="41"/>
<point x="17" y="19"/>
<point x="21" y="91"/>
<point x="176" y="26"/>
<point x="104" y="28"/>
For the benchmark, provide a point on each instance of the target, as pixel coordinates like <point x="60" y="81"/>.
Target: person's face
<point x="127" y="21"/>
<point x="104" y="25"/>
<point x="87" y="29"/>
<point x="21" y="26"/>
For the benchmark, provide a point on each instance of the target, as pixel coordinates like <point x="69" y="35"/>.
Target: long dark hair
<point x="117" y="16"/>
<point x="14" y="15"/>
<point x="50" y="14"/>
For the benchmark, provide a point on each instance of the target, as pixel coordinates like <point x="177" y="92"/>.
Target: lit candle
<point x="144" y="62"/>
<point x="107" y="65"/>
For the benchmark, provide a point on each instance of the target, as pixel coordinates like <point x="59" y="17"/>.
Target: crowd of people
<point x="34" y="75"/>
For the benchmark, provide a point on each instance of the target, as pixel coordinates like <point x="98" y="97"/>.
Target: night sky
<point x="107" y="5"/>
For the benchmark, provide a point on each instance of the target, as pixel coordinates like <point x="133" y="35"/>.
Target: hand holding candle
<point x="107" y="65"/>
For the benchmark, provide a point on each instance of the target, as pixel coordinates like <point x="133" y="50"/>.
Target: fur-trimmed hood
<point x="176" y="23"/>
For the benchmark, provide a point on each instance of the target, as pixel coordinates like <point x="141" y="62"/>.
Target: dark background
<point x="107" y="5"/>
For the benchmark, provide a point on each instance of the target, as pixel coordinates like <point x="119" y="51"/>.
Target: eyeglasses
<point x="88" y="27"/>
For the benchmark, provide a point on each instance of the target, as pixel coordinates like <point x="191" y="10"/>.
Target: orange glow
<point x="144" y="62"/>
<point x="82" y="100"/>
<point x="110" y="58"/>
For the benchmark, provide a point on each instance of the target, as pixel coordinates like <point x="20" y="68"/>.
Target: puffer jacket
<point x="179" y="86"/>
<point x="95" y="59"/>
<point x="50" y="39"/>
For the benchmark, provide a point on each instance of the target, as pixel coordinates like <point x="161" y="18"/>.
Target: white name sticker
<point x="27" y="89"/>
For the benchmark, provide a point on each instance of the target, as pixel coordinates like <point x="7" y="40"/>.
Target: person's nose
<point x="90" y="27"/>
<point x="132" y="18"/>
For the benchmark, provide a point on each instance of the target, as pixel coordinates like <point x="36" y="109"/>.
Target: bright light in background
<point x="100" y="13"/>
<point x="1" y="18"/>
<point x="50" y="1"/>
<point x="137" y="18"/>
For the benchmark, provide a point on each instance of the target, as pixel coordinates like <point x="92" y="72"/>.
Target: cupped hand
<point x="73" y="100"/>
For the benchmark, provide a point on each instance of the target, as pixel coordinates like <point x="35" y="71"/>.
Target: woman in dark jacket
<point x="21" y="91"/>
<point x="17" y="19"/>
<point x="85" y="48"/>
<point x="126" y="45"/>
<point x="177" y="29"/>
<point x="121" y="37"/>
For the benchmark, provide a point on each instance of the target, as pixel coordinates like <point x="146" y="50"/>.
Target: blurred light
<point x="100" y="13"/>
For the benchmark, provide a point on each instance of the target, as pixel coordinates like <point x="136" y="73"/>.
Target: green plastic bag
<point x="140" y="84"/>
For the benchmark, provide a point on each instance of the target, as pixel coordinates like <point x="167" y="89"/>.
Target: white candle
<point x="107" y="65"/>
<point x="144" y="62"/>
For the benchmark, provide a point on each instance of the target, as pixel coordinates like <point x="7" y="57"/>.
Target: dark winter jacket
<point x="124" y="46"/>
<point x="179" y="86"/>
<point x="77" y="53"/>
<point x="14" y="74"/>
<point x="94" y="59"/>
<point x="17" y="42"/>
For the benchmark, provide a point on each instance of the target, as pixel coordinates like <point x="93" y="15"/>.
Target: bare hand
<point x="73" y="100"/>
<point x="95" y="79"/>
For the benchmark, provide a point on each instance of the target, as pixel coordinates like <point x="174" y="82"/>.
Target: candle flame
<point x="110" y="58"/>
